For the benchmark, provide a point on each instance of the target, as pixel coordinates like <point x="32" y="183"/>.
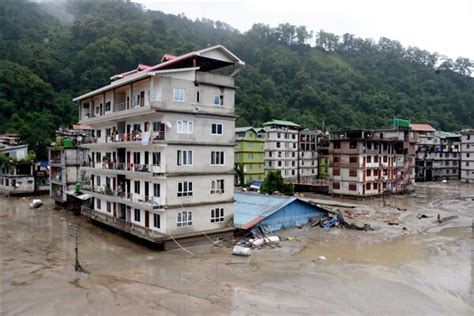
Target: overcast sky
<point x="444" y="26"/>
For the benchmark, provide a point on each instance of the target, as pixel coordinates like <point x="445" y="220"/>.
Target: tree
<point x="274" y="182"/>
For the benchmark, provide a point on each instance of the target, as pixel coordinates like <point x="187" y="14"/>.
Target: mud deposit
<point x="425" y="268"/>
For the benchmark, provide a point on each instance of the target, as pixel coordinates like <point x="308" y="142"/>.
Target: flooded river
<point x="425" y="268"/>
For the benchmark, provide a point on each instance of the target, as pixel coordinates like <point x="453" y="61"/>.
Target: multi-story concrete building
<point x="308" y="156"/>
<point x="249" y="155"/>
<point x="372" y="162"/>
<point x="16" y="171"/>
<point x="65" y="159"/>
<point x="64" y="172"/>
<point x="447" y="156"/>
<point x="163" y="156"/>
<point x="281" y="148"/>
<point x="467" y="156"/>
<point x="323" y="157"/>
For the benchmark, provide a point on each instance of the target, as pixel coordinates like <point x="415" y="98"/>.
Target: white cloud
<point x="444" y="26"/>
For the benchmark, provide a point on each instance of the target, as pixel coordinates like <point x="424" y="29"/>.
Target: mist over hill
<point x="50" y="53"/>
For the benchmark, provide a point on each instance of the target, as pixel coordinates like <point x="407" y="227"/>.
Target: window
<point x="336" y="172"/>
<point x="107" y="106"/>
<point x="352" y="159"/>
<point x="184" y="219"/>
<point x="336" y="159"/>
<point x="352" y="172"/>
<point x="369" y="159"/>
<point x="136" y="187"/>
<point x="98" y="133"/>
<point x="217" y="215"/>
<point x="352" y="145"/>
<point x="218" y="99"/>
<point x="156" y="126"/>
<point x="109" y="207"/>
<point x="217" y="186"/>
<point x="178" y="95"/>
<point x="278" y="144"/>
<point x="216" y="129"/>
<point x="137" y="215"/>
<point x="156" y="158"/>
<point x="376" y="159"/>
<point x="198" y="97"/>
<point x="385" y="159"/>
<point x="185" y="188"/>
<point x="217" y="157"/>
<point x="99" y="206"/>
<point x="369" y="173"/>
<point x="156" y="189"/>
<point x="336" y="185"/>
<point x="184" y="127"/>
<point x="374" y="186"/>
<point x="352" y="186"/>
<point x="136" y="158"/>
<point x="337" y="145"/>
<point x="98" y="181"/>
<point x="367" y="186"/>
<point x="185" y="158"/>
<point x="156" y="220"/>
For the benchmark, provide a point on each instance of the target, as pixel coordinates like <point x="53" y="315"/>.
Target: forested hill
<point x="50" y="53"/>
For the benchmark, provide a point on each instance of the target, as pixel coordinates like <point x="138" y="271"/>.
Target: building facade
<point x="65" y="163"/>
<point x="281" y="148"/>
<point x="371" y="162"/>
<point x="162" y="157"/>
<point x="249" y="155"/>
<point x="308" y="156"/>
<point x="467" y="156"/>
<point x="438" y="154"/>
<point x="16" y="172"/>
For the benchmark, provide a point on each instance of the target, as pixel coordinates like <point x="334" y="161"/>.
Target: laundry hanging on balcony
<point x="145" y="138"/>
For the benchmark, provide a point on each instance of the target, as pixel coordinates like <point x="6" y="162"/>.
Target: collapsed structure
<point x="162" y="152"/>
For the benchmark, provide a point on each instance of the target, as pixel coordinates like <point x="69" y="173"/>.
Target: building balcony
<point x="124" y="168"/>
<point x="119" y="112"/>
<point x="126" y="138"/>
<point x="118" y="223"/>
<point x="133" y="199"/>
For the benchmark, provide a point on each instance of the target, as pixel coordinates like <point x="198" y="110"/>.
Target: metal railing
<point x="125" y="166"/>
<point x="132" y="197"/>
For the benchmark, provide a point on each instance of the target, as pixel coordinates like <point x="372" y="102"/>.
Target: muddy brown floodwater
<point x="416" y="267"/>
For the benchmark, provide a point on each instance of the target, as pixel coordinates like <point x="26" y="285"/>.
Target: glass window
<point x="156" y="220"/>
<point x="218" y="100"/>
<point x="184" y="219"/>
<point x="185" y="158"/>
<point x="178" y="95"/>
<point x="217" y="215"/>
<point x="137" y="215"/>
<point x="185" y="188"/>
<point x="216" y="129"/>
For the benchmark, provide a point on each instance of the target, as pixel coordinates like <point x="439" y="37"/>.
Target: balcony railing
<point x="132" y="197"/>
<point x="137" y="230"/>
<point x="124" y="166"/>
<point x="127" y="137"/>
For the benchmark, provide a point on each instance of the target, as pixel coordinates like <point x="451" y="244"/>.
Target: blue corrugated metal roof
<point x="251" y="208"/>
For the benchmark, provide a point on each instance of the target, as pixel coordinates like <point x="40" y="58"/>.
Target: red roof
<point x="422" y="127"/>
<point x="167" y="57"/>
<point x="139" y="68"/>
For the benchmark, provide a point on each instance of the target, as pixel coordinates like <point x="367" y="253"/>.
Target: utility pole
<point x="77" y="265"/>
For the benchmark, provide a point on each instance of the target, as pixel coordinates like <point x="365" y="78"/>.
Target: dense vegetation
<point x="52" y="52"/>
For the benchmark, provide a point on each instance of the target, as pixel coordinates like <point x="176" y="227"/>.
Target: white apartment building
<point x="467" y="156"/>
<point x="308" y="156"/>
<point x="281" y="148"/>
<point x="162" y="156"/>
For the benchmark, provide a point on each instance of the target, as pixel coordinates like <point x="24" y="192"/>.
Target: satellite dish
<point x="168" y="124"/>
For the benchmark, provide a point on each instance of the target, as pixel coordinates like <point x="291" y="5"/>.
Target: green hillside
<point x="50" y="53"/>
